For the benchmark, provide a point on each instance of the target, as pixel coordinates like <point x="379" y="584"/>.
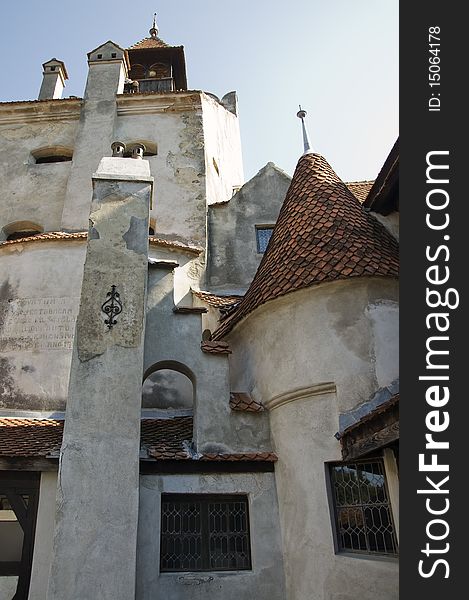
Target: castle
<point x="198" y="376"/>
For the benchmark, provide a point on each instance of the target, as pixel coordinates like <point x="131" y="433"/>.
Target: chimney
<point x="97" y="497"/>
<point x="53" y="79"/>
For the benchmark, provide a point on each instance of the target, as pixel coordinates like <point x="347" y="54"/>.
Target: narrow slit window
<point x="263" y="235"/>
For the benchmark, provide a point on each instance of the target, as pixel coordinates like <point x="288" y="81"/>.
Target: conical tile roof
<point x="322" y="234"/>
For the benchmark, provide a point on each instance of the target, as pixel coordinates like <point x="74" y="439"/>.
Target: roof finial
<point x="154" y="29"/>
<point x="301" y="114"/>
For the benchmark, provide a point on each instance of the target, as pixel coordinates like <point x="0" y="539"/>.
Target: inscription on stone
<point x="39" y="324"/>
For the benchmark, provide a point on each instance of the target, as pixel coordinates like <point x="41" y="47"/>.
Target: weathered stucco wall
<point x="8" y="587"/>
<point x="43" y="539"/>
<point x="264" y="582"/>
<point x="309" y="356"/>
<point x="176" y="338"/>
<point x="174" y="123"/>
<point x="35" y="192"/>
<point x="344" y="332"/>
<point x="303" y="433"/>
<point x="233" y="256"/>
<point x="38" y="308"/>
<point x="223" y="159"/>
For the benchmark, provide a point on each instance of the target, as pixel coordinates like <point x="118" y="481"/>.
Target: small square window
<point x="362" y="512"/>
<point x="100" y="56"/>
<point x="204" y="532"/>
<point x="113" y="55"/>
<point x="263" y="235"/>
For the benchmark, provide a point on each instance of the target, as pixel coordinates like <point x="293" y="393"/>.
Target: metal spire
<point x="154" y="29"/>
<point x="301" y="114"/>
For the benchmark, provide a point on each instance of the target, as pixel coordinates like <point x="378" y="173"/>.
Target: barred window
<point x="204" y="532"/>
<point x="362" y="511"/>
<point x="263" y="235"/>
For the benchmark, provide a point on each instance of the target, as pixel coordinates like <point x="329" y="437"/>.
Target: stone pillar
<point x="95" y="538"/>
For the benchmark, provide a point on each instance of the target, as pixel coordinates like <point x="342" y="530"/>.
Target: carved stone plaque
<point x="34" y="324"/>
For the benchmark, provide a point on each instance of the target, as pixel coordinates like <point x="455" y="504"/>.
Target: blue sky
<point x="337" y="58"/>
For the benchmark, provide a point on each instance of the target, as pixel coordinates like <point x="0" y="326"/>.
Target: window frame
<point x="358" y="553"/>
<point x="205" y="499"/>
<point x="14" y="485"/>
<point x="262" y="227"/>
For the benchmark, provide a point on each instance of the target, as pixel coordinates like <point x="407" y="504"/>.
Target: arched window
<point x="52" y="154"/>
<point x="158" y="71"/>
<point x="168" y="386"/>
<point x="137" y="72"/>
<point x="21" y="229"/>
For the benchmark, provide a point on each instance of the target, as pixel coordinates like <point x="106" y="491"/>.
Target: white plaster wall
<point x="44" y="537"/>
<point x="222" y="143"/>
<point x="344" y="332"/>
<point x="31" y="378"/>
<point x="264" y="582"/>
<point x="303" y="433"/>
<point x="233" y="258"/>
<point x="178" y="168"/>
<point x="177" y="338"/>
<point x="31" y="192"/>
<point x="8" y="587"/>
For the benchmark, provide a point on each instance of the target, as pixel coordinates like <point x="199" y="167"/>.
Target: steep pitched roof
<point x="322" y="234"/>
<point x="360" y="189"/>
<point x="149" y="43"/>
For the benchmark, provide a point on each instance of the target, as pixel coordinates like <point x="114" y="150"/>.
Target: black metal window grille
<point x="204" y="533"/>
<point x="362" y="510"/>
<point x="263" y="235"/>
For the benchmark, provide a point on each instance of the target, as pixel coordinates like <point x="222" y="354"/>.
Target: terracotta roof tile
<point x="246" y="456"/>
<point x="215" y="347"/>
<point x="165" y="438"/>
<point x="360" y="189"/>
<point x="162" y="439"/>
<point x="149" y="42"/>
<point x="243" y="402"/>
<point x="322" y="234"/>
<point x="82" y="235"/>
<point x="217" y="301"/>
<point x="30" y="437"/>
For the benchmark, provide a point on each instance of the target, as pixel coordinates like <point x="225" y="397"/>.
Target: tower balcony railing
<point x="165" y="84"/>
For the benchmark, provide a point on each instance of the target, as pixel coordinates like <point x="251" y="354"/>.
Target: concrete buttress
<point x="95" y="537"/>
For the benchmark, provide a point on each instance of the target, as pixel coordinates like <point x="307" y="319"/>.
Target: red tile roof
<point x="322" y="234"/>
<point x="162" y="439"/>
<point x="216" y="301"/>
<point x="215" y="347"/>
<point x="360" y="189"/>
<point x="30" y="437"/>
<point x="148" y="43"/>
<point x="82" y="235"/>
<point x="243" y="402"/>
